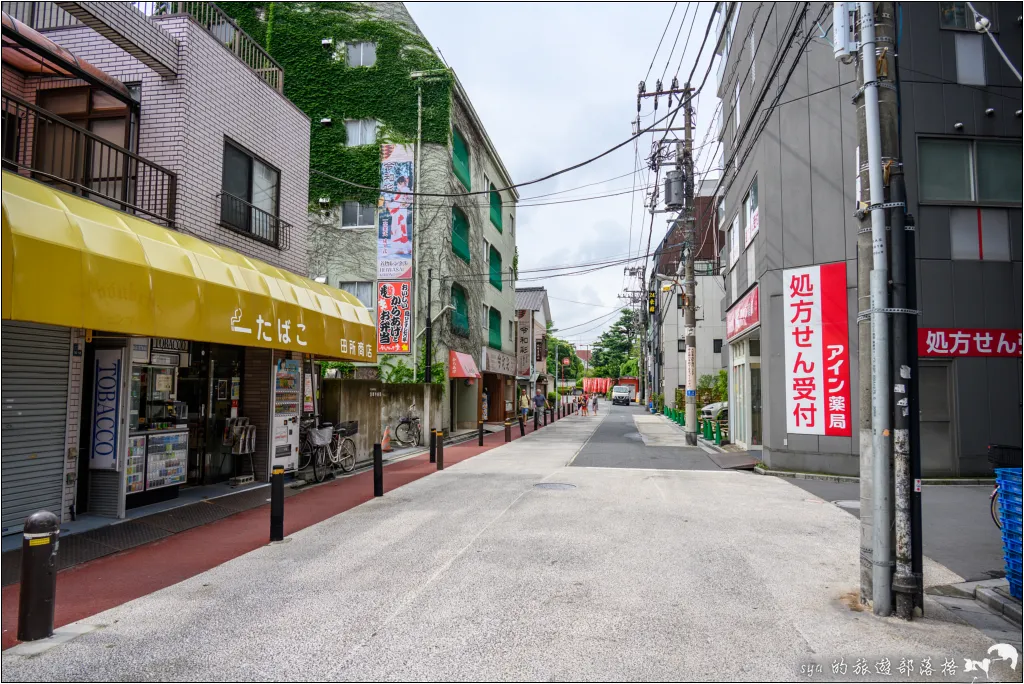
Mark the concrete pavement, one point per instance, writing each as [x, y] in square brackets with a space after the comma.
[477, 573]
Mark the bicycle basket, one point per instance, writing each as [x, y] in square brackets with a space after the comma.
[348, 428]
[321, 436]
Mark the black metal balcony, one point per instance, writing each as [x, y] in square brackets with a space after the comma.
[47, 148]
[244, 217]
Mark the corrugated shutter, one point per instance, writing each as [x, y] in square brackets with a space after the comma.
[34, 385]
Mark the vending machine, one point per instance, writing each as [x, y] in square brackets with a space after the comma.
[287, 408]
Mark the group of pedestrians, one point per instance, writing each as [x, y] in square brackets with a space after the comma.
[584, 403]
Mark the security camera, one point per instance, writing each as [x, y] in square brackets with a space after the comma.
[958, 126]
[990, 112]
[325, 202]
[327, 43]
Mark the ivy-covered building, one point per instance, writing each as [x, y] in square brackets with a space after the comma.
[369, 79]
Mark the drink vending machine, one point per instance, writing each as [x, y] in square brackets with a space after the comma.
[287, 408]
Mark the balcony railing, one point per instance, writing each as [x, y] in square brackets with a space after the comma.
[230, 34]
[40, 15]
[43, 146]
[244, 217]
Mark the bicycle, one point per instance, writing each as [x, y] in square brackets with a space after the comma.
[408, 430]
[328, 449]
[997, 517]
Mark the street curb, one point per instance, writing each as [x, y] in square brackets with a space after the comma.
[849, 479]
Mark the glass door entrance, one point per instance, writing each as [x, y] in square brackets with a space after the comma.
[755, 404]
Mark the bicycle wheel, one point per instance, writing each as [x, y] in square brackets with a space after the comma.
[347, 452]
[319, 463]
[334, 452]
[994, 510]
[403, 433]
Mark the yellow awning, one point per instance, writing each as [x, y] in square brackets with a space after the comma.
[73, 262]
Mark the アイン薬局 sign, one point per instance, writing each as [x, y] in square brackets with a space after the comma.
[743, 315]
[817, 350]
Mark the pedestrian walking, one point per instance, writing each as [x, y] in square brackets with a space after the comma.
[584, 405]
[540, 402]
[524, 404]
[595, 404]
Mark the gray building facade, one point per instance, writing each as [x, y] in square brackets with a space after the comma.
[796, 183]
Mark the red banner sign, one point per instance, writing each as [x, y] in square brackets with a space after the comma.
[744, 315]
[953, 342]
[817, 350]
[394, 318]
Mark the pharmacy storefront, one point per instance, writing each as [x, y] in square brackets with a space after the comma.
[743, 332]
[195, 361]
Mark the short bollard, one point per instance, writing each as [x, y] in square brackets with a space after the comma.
[277, 504]
[440, 449]
[536, 420]
[433, 446]
[545, 417]
[38, 576]
[522, 425]
[378, 470]
[508, 430]
[480, 433]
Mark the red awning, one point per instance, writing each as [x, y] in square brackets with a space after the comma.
[461, 365]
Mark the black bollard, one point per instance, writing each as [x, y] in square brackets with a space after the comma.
[536, 419]
[440, 449]
[378, 470]
[545, 417]
[480, 433]
[433, 446]
[508, 430]
[522, 425]
[277, 504]
[38, 576]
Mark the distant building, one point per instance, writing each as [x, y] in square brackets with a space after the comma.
[533, 314]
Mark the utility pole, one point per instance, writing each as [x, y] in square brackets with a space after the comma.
[878, 147]
[689, 282]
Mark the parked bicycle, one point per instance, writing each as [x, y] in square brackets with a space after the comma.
[327, 448]
[1001, 456]
[408, 431]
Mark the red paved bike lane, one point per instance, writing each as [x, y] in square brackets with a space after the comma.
[104, 583]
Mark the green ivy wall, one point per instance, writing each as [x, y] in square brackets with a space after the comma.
[324, 87]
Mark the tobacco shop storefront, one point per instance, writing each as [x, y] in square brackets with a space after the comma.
[197, 362]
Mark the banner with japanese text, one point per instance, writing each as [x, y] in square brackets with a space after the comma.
[817, 350]
[394, 217]
[394, 317]
[953, 342]
[523, 319]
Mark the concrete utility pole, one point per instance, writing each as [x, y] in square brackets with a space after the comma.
[689, 281]
[877, 126]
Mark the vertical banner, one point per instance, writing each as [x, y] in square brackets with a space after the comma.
[394, 317]
[817, 350]
[106, 410]
[394, 218]
[523, 318]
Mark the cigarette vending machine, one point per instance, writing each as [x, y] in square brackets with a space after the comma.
[287, 408]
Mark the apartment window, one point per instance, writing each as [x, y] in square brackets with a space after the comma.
[957, 15]
[486, 320]
[355, 214]
[460, 234]
[716, 346]
[979, 234]
[512, 224]
[494, 329]
[495, 207]
[487, 252]
[970, 58]
[511, 331]
[363, 291]
[460, 158]
[735, 291]
[753, 56]
[985, 171]
[751, 214]
[361, 54]
[679, 300]
[460, 310]
[360, 132]
[736, 111]
[495, 267]
[250, 191]
[751, 265]
[681, 346]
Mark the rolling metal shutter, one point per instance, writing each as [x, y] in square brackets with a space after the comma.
[34, 386]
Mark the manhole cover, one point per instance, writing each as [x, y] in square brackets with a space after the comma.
[554, 485]
[847, 504]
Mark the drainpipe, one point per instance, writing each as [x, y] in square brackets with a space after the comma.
[881, 585]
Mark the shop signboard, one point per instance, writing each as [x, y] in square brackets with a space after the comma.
[498, 362]
[106, 410]
[394, 317]
[743, 315]
[140, 350]
[394, 217]
[959, 342]
[817, 350]
[523, 318]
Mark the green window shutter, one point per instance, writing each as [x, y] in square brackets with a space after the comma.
[495, 208]
[460, 158]
[495, 268]
[494, 336]
[460, 234]
[460, 314]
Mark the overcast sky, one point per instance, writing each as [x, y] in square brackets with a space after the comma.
[556, 84]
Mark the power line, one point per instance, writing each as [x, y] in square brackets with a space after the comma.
[676, 41]
[573, 301]
[658, 49]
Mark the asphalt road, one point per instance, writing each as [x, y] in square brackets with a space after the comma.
[958, 529]
[618, 443]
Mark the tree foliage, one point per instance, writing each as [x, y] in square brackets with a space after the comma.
[559, 349]
[617, 346]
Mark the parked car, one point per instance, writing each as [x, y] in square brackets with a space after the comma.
[622, 394]
[717, 411]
